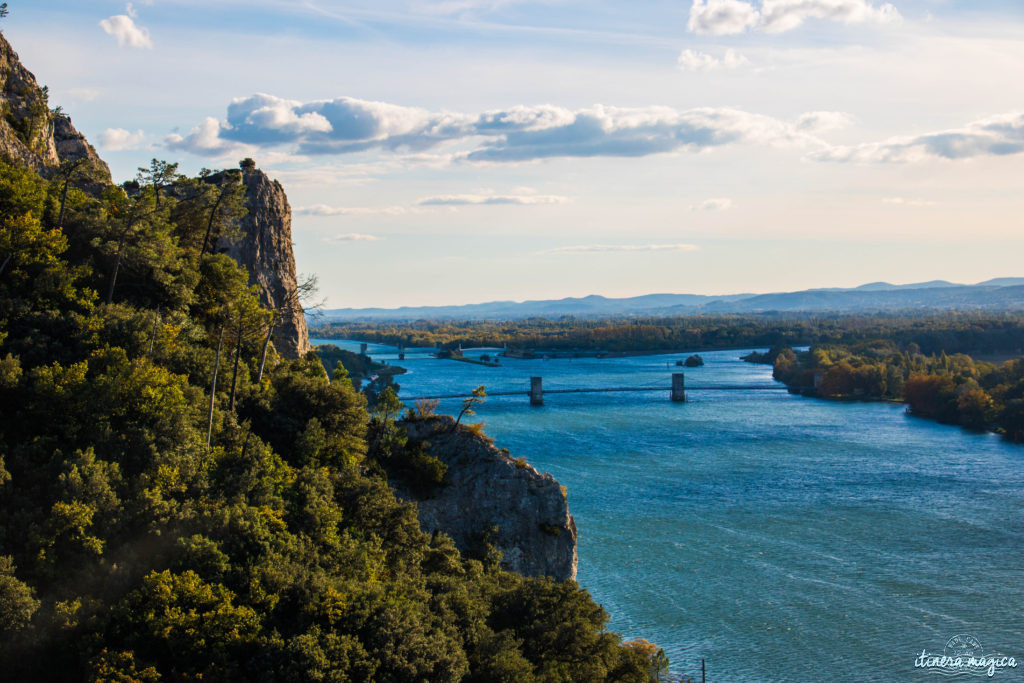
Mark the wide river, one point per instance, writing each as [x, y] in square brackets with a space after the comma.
[777, 537]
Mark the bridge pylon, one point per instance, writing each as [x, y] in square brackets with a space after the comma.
[678, 387]
[536, 391]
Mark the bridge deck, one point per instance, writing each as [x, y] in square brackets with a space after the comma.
[721, 387]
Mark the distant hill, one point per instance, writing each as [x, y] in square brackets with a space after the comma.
[884, 286]
[1003, 282]
[1005, 293]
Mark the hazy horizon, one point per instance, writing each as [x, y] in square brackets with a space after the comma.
[520, 300]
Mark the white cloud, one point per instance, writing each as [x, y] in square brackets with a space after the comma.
[205, 140]
[325, 210]
[820, 121]
[721, 17]
[1000, 135]
[602, 248]
[275, 115]
[118, 139]
[347, 125]
[356, 237]
[491, 198]
[782, 15]
[620, 132]
[127, 32]
[713, 204]
[691, 60]
[730, 17]
[903, 201]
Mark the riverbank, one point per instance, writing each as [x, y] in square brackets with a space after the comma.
[954, 390]
[551, 354]
[735, 527]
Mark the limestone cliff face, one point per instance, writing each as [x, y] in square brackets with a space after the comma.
[485, 487]
[264, 248]
[32, 135]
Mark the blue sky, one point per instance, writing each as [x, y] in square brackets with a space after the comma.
[457, 151]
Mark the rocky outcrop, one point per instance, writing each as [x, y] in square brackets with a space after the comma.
[264, 248]
[486, 488]
[33, 135]
[93, 174]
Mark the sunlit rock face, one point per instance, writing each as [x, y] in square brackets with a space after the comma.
[485, 488]
[32, 135]
[264, 248]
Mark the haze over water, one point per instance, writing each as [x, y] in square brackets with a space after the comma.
[777, 537]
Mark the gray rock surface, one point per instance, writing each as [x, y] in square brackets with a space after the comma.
[264, 248]
[32, 135]
[487, 487]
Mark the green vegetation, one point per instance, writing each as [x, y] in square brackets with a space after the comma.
[975, 333]
[470, 402]
[406, 462]
[358, 368]
[176, 505]
[953, 389]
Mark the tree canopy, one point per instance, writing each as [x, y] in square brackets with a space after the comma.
[158, 525]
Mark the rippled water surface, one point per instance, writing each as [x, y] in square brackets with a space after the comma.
[779, 538]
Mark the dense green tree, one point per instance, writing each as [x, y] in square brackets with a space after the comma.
[954, 389]
[157, 175]
[17, 604]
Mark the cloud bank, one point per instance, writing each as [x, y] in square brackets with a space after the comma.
[994, 136]
[729, 17]
[527, 133]
[348, 125]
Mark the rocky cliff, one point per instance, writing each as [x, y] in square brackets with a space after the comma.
[44, 139]
[264, 248]
[487, 488]
[33, 135]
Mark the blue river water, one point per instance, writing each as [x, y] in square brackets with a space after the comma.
[777, 537]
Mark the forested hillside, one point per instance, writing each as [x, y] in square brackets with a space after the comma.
[952, 332]
[180, 502]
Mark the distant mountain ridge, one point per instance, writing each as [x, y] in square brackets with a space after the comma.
[1005, 293]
